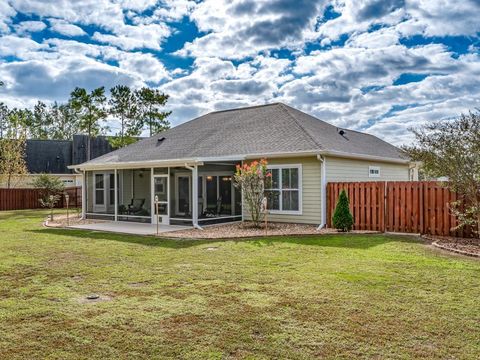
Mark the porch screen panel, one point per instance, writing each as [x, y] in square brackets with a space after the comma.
[134, 193]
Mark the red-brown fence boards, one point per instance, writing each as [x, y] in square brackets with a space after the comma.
[21, 199]
[366, 203]
[398, 206]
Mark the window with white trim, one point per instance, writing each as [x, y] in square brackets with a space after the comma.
[284, 193]
[374, 171]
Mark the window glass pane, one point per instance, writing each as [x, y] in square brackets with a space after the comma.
[290, 178]
[200, 187]
[294, 178]
[99, 197]
[212, 195]
[225, 188]
[160, 185]
[290, 200]
[273, 199]
[99, 181]
[183, 193]
[275, 179]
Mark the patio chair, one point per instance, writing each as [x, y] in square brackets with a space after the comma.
[214, 212]
[136, 206]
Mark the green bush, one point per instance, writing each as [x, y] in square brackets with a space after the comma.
[342, 217]
[51, 189]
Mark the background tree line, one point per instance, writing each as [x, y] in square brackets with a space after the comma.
[128, 111]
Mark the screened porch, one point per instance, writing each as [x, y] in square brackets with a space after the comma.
[177, 195]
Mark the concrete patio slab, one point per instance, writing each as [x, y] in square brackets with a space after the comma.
[125, 227]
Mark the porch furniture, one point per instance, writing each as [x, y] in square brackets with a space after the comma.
[135, 206]
[214, 212]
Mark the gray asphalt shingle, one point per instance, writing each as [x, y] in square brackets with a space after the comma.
[264, 129]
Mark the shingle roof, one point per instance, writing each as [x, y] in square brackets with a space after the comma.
[265, 129]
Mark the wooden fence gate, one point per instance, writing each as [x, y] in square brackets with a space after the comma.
[398, 206]
[22, 199]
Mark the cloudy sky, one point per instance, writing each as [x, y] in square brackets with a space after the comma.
[379, 66]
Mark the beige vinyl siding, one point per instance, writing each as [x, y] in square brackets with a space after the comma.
[311, 191]
[341, 169]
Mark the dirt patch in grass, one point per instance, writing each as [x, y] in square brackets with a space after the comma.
[464, 246]
[248, 230]
[93, 298]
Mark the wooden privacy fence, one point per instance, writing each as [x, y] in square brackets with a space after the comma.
[398, 206]
[21, 199]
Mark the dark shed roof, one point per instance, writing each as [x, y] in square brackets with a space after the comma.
[53, 156]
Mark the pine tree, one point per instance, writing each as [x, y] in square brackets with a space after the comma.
[342, 217]
[123, 106]
[90, 110]
[150, 102]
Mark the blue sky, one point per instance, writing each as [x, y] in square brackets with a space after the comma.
[380, 66]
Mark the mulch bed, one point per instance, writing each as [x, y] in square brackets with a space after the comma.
[61, 221]
[464, 246]
[247, 230]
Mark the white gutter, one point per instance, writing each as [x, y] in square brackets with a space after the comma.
[364, 157]
[323, 191]
[135, 164]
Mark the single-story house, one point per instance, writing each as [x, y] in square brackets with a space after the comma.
[189, 169]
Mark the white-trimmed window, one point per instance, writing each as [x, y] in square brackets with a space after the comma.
[285, 193]
[374, 171]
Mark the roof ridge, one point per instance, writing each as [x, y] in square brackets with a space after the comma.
[285, 108]
[244, 108]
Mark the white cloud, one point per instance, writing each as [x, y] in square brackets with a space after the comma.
[103, 13]
[130, 37]
[6, 12]
[64, 28]
[109, 16]
[350, 85]
[408, 17]
[146, 66]
[442, 17]
[26, 27]
[244, 28]
[20, 47]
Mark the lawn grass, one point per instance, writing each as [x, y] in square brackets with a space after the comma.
[338, 296]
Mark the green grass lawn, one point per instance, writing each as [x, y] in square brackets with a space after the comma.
[345, 296]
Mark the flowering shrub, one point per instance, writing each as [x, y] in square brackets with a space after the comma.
[253, 178]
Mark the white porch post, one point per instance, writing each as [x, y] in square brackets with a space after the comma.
[153, 217]
[115, 181]
[84, 195]
[195, 195]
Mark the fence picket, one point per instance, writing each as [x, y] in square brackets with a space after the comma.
[22, 199]
[412, 207]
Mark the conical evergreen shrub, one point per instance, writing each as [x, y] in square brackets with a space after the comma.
[342, 217]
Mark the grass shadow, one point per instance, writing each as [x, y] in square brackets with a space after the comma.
[353, 241]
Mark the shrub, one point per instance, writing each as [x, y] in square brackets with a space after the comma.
[51, 189]
[252, 179]
[342, 217]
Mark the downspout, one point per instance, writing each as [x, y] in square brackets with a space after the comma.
[84, 193]
[194, 170]
[323, 191]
